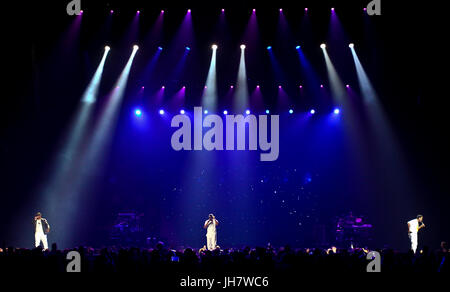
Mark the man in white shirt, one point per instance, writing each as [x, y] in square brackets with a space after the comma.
[41, 228]
[211, 234]
[414, 226]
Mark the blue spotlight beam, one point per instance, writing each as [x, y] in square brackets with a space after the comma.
[210, 97]
[71, 200]
[368, 93]
[388, 149]
[337, 87]
[109, 115]
[151, 66]
[61, 168]
[279, 75]
[90, 93]
[340, 96]
[310, 76]
[77, 130]
[241, 95]
[180, 65]
[353, 127]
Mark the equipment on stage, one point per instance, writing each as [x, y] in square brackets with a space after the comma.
[127, 229]
[353, 231]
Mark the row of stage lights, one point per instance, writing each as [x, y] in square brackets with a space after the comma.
[138, 112]
[257, 86]
[306, 9]
[215, 47]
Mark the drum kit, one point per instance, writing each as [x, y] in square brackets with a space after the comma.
[353, 231]
[127, 228]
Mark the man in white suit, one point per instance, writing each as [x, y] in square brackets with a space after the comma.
[211, 232]
[41, 229]
[414, 226]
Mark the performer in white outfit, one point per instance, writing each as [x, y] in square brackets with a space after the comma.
[211, 232]
[41, 228]
[414, 226]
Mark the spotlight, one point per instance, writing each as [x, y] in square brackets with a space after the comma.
[323, 46]
[162, 11]
[269, 48]
[312, 111]
[306, 8]
[247, 112]
[242, 47]
[300, 86]
[281, 10]
[205, 112]
[223, 10]
[181, 111]
[138, 112]
[351, 45]
[297, 47]
[136, 47]
[332, 9]
[225, 112]
[321, 85]
[161, 111]
[184, 87]
[214, 47]
[81, 11]
[231, 86]
[188, 48]
[291, 111]
[189, 10]
[257, 86]
[138, 12]
[254, 10]
[107, 48]
[365, 9]
[162, 87]
[336, 111]
[267, 111]
[160, 48]
[143, 87]
[206, 87]
[348, 86]
[279, 86]
[112, 11]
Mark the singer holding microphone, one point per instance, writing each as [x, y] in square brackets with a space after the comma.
[41, 229]
[211, 232]
[414, 226]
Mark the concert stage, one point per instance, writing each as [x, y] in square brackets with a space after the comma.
[312, 132]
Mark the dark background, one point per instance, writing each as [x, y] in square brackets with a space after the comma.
[403, 52]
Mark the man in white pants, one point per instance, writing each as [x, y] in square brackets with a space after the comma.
[211, 233]
[41, 228]
[414, 226]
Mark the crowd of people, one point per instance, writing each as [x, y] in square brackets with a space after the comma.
[258, 259]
